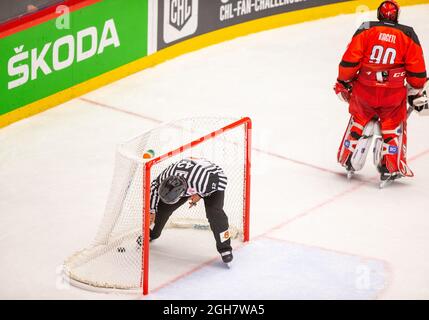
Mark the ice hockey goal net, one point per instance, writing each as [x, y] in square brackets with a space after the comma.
[115, 260]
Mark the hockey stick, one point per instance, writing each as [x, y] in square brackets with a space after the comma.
[410, 111]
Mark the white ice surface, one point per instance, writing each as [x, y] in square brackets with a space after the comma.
[56, 167]
[293, 272]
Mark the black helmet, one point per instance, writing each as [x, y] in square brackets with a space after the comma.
[172, 189]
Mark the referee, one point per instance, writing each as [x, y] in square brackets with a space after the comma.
[192, 179]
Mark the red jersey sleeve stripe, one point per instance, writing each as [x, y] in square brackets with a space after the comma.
[417, 74]
[347, 64]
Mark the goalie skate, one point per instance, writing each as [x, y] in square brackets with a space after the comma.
[387, 181]
[387, 178]
[350, 171]
[350, 174]
[355, 145]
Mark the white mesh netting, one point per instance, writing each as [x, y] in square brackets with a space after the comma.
[114, 260]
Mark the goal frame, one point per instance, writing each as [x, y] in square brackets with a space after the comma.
[246, 122]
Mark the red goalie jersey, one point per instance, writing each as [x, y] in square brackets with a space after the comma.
[380, 46]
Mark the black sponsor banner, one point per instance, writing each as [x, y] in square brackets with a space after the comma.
[179, 20]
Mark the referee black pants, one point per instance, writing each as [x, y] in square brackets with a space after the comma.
[215, 214]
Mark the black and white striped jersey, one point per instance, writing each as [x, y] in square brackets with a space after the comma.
[202, 176]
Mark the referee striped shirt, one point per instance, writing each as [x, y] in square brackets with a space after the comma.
[202, 176]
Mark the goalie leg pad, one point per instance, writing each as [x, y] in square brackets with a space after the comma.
[360, 154]
[378, 149]
[394, 150]
[356, 143]
[348, 144]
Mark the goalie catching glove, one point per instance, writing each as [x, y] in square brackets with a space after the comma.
[343, 89]
[418, 98]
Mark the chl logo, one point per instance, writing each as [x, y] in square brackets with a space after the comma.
[180, 13]
[180, 19]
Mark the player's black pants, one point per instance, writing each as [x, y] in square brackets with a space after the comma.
[217, 218]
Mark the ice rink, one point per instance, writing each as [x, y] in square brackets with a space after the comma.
[314, 235]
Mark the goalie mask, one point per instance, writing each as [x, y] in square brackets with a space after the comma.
[388, 11]
[172, 189]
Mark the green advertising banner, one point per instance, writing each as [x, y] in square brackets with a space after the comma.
[70, 49]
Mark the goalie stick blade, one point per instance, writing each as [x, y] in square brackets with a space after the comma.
[410, 111]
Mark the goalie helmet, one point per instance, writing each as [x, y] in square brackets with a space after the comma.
[388, 11]
[172, 189]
